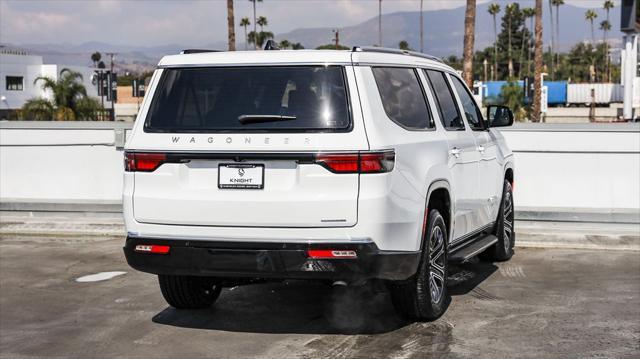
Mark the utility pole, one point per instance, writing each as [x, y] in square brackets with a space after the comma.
[469, 30]
[380, 23]
[110, 85]
[484, 64]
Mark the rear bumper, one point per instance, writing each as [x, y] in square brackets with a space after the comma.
[270, 260]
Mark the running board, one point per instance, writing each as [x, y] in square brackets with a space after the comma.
[464, 254]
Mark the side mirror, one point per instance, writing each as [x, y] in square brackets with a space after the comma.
[499, 116]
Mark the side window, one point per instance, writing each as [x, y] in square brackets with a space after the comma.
[471, 110]
[402, 97]
[447, 107]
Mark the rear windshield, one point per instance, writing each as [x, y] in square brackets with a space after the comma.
[250, 99]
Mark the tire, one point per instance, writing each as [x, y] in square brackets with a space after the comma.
[185, 292]
[424, 296]
[503, 249]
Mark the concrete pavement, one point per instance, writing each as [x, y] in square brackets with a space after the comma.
[548, 303]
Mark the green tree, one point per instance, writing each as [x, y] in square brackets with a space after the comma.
[591, 15]
[297, 46]
[69, 102]
[284, 44]
[494, 9]
[95, 58]
[512, 95]
[608, 5]
[404, 45]
[529, 13]
[262, 22]
[511, 39]
[255, 21]
[260, 38]
[332, 47]
[244, 22]
[557, 4]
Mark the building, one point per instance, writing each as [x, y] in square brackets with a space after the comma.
[18, 74]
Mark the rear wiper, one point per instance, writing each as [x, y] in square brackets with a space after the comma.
[244, 119]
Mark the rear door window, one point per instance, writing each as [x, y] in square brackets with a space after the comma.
[449, 114]
[250, 99]
[402, 97]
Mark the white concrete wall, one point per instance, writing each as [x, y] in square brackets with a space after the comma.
[562, 167]
[576, 167]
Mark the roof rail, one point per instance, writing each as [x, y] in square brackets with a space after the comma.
[197, 51]
[387, 50]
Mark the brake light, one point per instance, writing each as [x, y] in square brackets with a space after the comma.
[331, 253]
[152, 248]
[143, 162]
[367, 162]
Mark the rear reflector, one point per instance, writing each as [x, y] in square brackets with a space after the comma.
[367, 162]
[331, 253]
[143, 162]
[152, 248]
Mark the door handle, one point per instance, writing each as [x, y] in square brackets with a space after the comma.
[455, 152]
[481, 149]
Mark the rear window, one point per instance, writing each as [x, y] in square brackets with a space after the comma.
[402, 97]
[250, 99]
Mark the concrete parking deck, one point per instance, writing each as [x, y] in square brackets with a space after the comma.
[543, 303]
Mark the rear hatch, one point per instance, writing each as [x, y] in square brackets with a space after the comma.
[248, 146]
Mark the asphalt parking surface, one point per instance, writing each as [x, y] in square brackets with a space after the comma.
[543, 303]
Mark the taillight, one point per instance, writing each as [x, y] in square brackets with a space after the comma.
[143, 162]
[366, 162]
[152, 248]
[331, 254]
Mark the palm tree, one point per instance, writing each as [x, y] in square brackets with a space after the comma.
[259, 38]
[528, 13]
[284, 44]
[380, 23]
[537, 82]
[608, 5]
[254, 19]
[469, 30]
[494, 9]
[95, 57]
[557, 4]
[591, 15]
[553, 40]
[509, 11]
[231, 24]
[605, 26]
[69, 101]
[244, 22]
[421, 28]
[262, 22]
[297, 46]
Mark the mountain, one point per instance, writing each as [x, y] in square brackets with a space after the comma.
[444, 31]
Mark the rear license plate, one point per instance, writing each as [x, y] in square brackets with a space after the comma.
[241, 176]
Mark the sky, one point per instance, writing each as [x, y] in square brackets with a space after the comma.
[161, 22]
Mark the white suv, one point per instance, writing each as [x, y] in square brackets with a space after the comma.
[370, 164]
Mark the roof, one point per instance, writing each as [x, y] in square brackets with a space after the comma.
[289, 57]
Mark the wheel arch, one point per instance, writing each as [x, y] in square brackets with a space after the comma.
[439, 197]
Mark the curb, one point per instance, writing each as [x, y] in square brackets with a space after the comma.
[603, 236]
